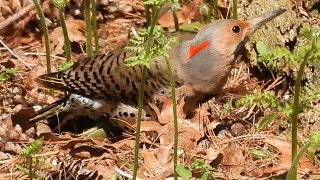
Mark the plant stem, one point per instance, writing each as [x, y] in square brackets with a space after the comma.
[234, 9]
[215, 9]
[29, 157]
[141, 96]
[88, 28]
[46, 38]
[295, 109]
[67, 44]
[175, 18]
[148, 15]
[137, 140]
[175, 119]
[292, 173]
[94, 24]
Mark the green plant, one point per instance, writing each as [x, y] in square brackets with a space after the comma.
[308, 52]
[200, 166]
[87, 17]
[94, 24]
[234, 9]
[60, 4]
[148, 44]
[31, 162]
[46, 37]
[183, 172]
[259, 154]
[265, 99]
[215, 9]
[6, 74]
[205, 10]
[312, 147]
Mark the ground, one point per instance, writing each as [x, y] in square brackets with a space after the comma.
[226, 139]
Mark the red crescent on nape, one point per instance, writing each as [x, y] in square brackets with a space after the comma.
[193, 50]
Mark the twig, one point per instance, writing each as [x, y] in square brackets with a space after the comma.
[44, 54]
[124, 173]
[16, 16]
[11, 52]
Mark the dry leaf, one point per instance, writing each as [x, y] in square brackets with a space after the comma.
[75, 30]
[284, 147]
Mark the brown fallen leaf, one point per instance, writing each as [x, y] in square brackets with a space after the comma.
[32, 75]
[284, 147]
[151, 163]
[233, 159]
[188, 11]
[75, 32]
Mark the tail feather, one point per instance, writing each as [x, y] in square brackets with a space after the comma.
[50, 110]
[53, 80]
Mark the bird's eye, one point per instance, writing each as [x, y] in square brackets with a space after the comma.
[236, 29]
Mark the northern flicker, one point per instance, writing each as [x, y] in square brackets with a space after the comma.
[201, 67]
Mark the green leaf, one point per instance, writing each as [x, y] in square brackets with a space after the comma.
[261, 47]
[199, 164]
[314, 144]
[205, 175]
[192, 27]
[259, 154]
[113, 177]
[61, 4]
[97, 134]
[33, 148]
[267, 120]
[292, 171]
[183, 172]
[65, 66]
[5, 75]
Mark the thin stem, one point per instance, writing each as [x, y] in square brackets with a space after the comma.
[175, 18]
[88, 28]
[140, 106]
[175, 119]
[94, 24]
[141, 97]
[234, 9]
[295, 108]
[215, 9]
[30, 166]
[46, 37]
[67, 44]
[148, 15]
[292, 173]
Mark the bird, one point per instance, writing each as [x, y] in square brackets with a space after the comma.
[104, 84]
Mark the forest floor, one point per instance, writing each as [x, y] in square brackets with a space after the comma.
[223, 139]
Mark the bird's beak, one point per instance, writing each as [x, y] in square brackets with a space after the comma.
[255, 24]
[258, 22]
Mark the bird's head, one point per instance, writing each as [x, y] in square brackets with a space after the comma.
[207, 60]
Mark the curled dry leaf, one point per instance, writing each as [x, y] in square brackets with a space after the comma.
[151, 162]
[284, 147]
[233, 159]
[75, 30]
[32, 75]
[188, 11]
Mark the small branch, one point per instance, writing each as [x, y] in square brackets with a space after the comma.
[11, 52]
[94, 24]
[124, 173]
[44, 54]
[17, 16]
[88, 28]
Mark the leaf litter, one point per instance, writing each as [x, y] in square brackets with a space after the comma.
[217, 132]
